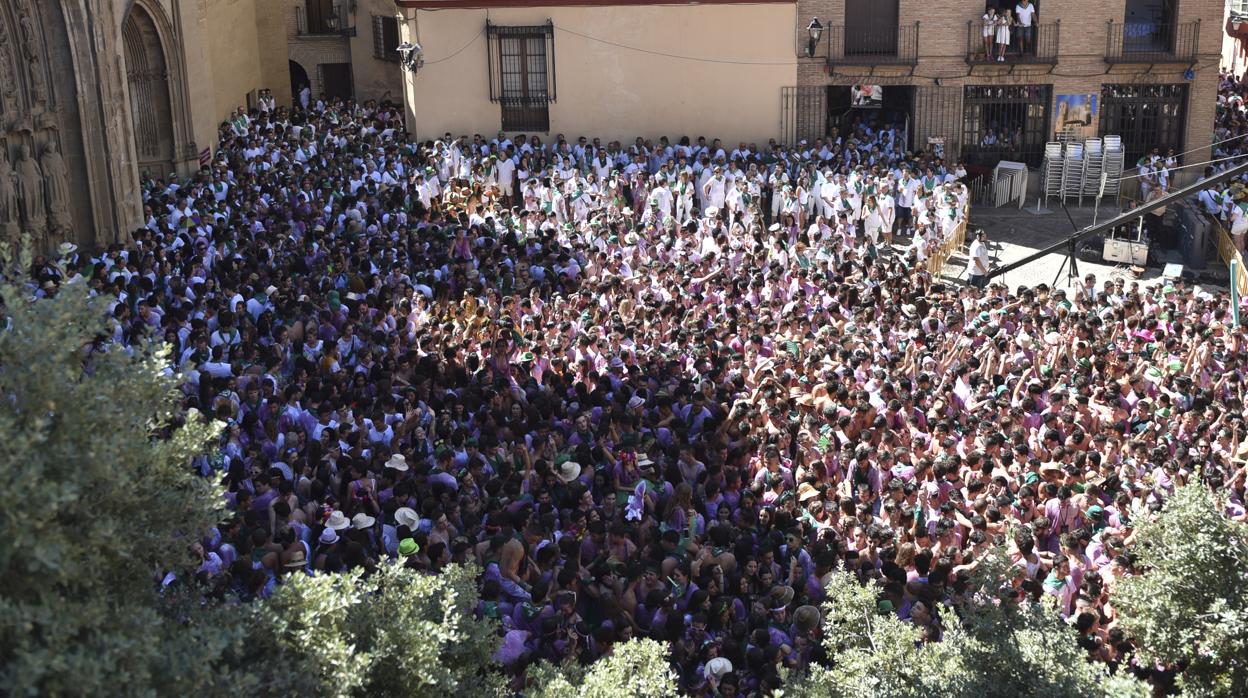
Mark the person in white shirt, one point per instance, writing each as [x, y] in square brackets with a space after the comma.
[977, 267]
[888, 211]
[990, 31]
[506, 178]
[1025, 19]
[1211, 201]
[715, 189]
[1004, 22]
[907, 189]
[1239, 222]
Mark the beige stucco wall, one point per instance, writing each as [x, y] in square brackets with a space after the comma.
[234, 51]
[374, 79]
[232, 48]
[271, 20]
[613, 92]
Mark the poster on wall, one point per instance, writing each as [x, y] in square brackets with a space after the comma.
[936, 146]
[1075, 114]
[866, 96]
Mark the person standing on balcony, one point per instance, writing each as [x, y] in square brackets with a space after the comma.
[990, 31]
[1004, 22]
[1025, 14]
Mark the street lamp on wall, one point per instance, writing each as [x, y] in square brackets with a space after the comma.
[815, 30]
[410, 56]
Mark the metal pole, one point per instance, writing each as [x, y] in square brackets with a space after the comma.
[1235, 291]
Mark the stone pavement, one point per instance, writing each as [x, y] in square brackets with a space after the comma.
[1014, 234]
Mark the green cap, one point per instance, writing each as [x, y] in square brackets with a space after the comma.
[408, 547]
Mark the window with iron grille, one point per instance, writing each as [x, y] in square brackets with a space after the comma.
[1145, 116]
[1005, 122]
[385, 38]
[522, 75]
[1239, 10]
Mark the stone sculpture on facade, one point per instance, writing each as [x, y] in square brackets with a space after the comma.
[30, 192]
[32, 49]
[10, 213]
[56, 183]
[8, 81]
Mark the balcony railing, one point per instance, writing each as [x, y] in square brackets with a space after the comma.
[1040, 47]
[336, 22]
[873, 46]
[1152, 42]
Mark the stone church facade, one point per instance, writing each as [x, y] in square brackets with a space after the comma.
[95, 93]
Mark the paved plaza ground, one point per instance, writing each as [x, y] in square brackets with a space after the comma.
[1013, 234]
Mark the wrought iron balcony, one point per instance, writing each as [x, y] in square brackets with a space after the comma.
[873, 46]
[1152, 42]
[1041, 47]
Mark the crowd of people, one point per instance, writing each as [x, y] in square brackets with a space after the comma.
[1229, 203]
[657, 389]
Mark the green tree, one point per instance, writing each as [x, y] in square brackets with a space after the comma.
[1189, 607]
[97, 499]
[996, 649]
[100, 500]
[639, 668]
[423, 636]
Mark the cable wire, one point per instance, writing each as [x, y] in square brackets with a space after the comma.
[1195, 164]
[471, 41]
[673, 55]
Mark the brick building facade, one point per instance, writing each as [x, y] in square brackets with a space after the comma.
[1150, 69]
[343, 48]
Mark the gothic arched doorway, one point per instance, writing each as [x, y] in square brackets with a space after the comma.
[147, 74]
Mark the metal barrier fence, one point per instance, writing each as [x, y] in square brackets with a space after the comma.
[948, 246]
[1227, 252]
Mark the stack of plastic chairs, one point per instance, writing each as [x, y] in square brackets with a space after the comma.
[1052, 170]
[1072, 172]
[1093, 165]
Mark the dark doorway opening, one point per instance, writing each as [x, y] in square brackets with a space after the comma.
[298, 80]
[897, 111]
[148, 76]
[336, 80]
[1149, 26]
